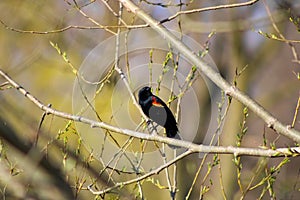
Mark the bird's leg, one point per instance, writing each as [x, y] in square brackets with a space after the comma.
[149, 121]
[151, 127]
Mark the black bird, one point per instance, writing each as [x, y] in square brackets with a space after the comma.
[158, 111]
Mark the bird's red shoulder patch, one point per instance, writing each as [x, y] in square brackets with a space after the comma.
[156, 103]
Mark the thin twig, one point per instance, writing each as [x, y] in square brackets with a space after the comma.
[296, 112]
[282, 38]
[226, 6]
[40, 125]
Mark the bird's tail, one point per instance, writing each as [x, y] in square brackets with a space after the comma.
[173, 134]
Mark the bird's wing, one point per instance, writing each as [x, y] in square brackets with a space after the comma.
[156, 101]
[158, 112]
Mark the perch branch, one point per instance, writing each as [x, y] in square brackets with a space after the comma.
[292, 151]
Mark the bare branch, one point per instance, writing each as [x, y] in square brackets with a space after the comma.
[69, 27]
[153, 172]
[293, 151]
[226, 6]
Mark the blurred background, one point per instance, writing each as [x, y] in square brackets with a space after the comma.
[43, 43]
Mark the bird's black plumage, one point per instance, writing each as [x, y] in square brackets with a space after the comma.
[157, 111]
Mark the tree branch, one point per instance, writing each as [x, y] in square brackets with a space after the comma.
[293, 151]
[140, 178]
[226, 6]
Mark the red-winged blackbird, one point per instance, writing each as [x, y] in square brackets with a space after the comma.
[158, 111]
